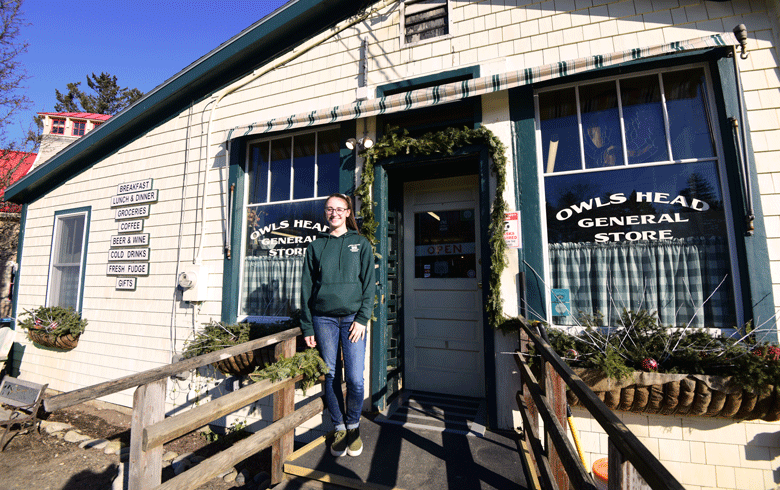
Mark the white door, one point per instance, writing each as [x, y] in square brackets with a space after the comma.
[442, 298]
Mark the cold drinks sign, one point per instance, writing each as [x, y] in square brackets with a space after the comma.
[129, 253]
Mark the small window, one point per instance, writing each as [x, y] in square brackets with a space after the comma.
[95, 124]
[68, 257]
[425, 19]
[79, 127]
[58, 126]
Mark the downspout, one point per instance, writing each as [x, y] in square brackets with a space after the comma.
[284, 59]
[740, 130]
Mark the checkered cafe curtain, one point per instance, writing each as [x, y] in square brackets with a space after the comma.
[452, 92]
[681, 279]
[272, 285]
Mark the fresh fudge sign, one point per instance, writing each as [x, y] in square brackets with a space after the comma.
[639, 204]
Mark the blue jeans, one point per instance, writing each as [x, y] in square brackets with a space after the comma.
[328, 331]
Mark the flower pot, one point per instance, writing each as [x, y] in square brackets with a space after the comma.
[243, 364]
[46, 339]
[681, 394]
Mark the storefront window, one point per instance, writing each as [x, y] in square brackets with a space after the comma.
[635, 212]
[288, 181]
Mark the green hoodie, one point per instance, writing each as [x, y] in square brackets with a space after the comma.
[338, 279]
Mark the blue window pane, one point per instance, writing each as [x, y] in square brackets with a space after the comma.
[280, 169]
[560, 133]
[601, 125]
[258, 173]
[303, 166]
[328, 162]
[688, 121]
[644, 120]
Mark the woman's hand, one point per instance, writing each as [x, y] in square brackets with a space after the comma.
[357, 332]
[310, 341]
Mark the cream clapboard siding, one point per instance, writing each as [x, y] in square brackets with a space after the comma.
[132, 331]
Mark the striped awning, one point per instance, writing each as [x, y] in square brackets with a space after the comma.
[452, 92]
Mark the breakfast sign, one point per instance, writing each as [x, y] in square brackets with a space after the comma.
[128, 256]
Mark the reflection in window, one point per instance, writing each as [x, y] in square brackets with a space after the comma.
[621, 236]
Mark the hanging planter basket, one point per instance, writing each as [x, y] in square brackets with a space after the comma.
[63, 342]
[680, 394]
[243, 364]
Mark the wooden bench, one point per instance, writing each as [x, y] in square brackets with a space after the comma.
[25, 397]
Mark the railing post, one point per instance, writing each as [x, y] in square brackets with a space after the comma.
[284, 404]
[148, 409]
[555, 391]
[533, 415]
[621, 473]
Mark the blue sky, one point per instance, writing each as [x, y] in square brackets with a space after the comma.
[142, 42]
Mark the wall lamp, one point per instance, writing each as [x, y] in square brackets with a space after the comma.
[363, 143]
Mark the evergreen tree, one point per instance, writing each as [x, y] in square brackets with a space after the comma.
[108, 96]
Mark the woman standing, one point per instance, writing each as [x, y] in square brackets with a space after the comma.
[338, 296]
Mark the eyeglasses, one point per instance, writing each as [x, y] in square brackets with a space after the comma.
[338, 211]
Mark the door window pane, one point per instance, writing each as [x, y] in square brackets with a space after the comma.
[445, 244]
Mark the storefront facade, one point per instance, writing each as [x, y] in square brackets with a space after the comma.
[625, 176]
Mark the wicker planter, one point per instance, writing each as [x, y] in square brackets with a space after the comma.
[680, 394]
[64, 342]
[245, 363]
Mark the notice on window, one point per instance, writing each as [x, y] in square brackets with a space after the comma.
[512, 230]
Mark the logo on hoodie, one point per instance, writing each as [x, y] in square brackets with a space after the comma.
[354, 247]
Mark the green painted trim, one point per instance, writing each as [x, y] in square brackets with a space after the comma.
[19, 249]
[63, 212]
[231, 267]
[419, 82]
[378, 386]
[254, 47]
[348, 157]
[528, 199]
[752, 250]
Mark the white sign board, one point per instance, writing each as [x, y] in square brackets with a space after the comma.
[141, 269]
[134, 198]
[125, 283]
[512, 230]
[133, 212]
[137, 240]
[133, 226]
[117, 254]
[137, 186]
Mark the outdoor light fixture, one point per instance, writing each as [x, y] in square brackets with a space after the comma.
[363, 143]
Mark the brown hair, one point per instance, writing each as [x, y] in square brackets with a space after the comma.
[350, 221]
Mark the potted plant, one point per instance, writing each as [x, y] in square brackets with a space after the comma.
[646, 367]
[219, 335]
[53, 326]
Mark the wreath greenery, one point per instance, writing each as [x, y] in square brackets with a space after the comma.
[54, 320]
[446, 142]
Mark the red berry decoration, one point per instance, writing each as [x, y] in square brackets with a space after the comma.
[572, 354]
[650, 364]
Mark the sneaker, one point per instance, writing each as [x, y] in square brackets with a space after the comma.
[354, 444]
[339, 445]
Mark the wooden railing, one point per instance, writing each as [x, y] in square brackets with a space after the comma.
[631, 465]
[150, 429]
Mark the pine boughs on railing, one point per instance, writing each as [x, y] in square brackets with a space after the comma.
[309, 363]
[446, 142]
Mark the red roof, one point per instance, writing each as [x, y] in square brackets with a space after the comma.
[78, 115]
[18, 163]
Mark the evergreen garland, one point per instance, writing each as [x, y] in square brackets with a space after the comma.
[445, 142]
[309, 363]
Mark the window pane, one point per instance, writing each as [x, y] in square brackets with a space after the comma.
[66, 261]
[328, 162]
[303, 166]
[276, 239]
[280, 169]
[258, 173]
[65, 286]
[652, 238]
[601, 125]
[444, 244]
[560, 132]
[688, 121]
[643, 119]
[68, 248]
